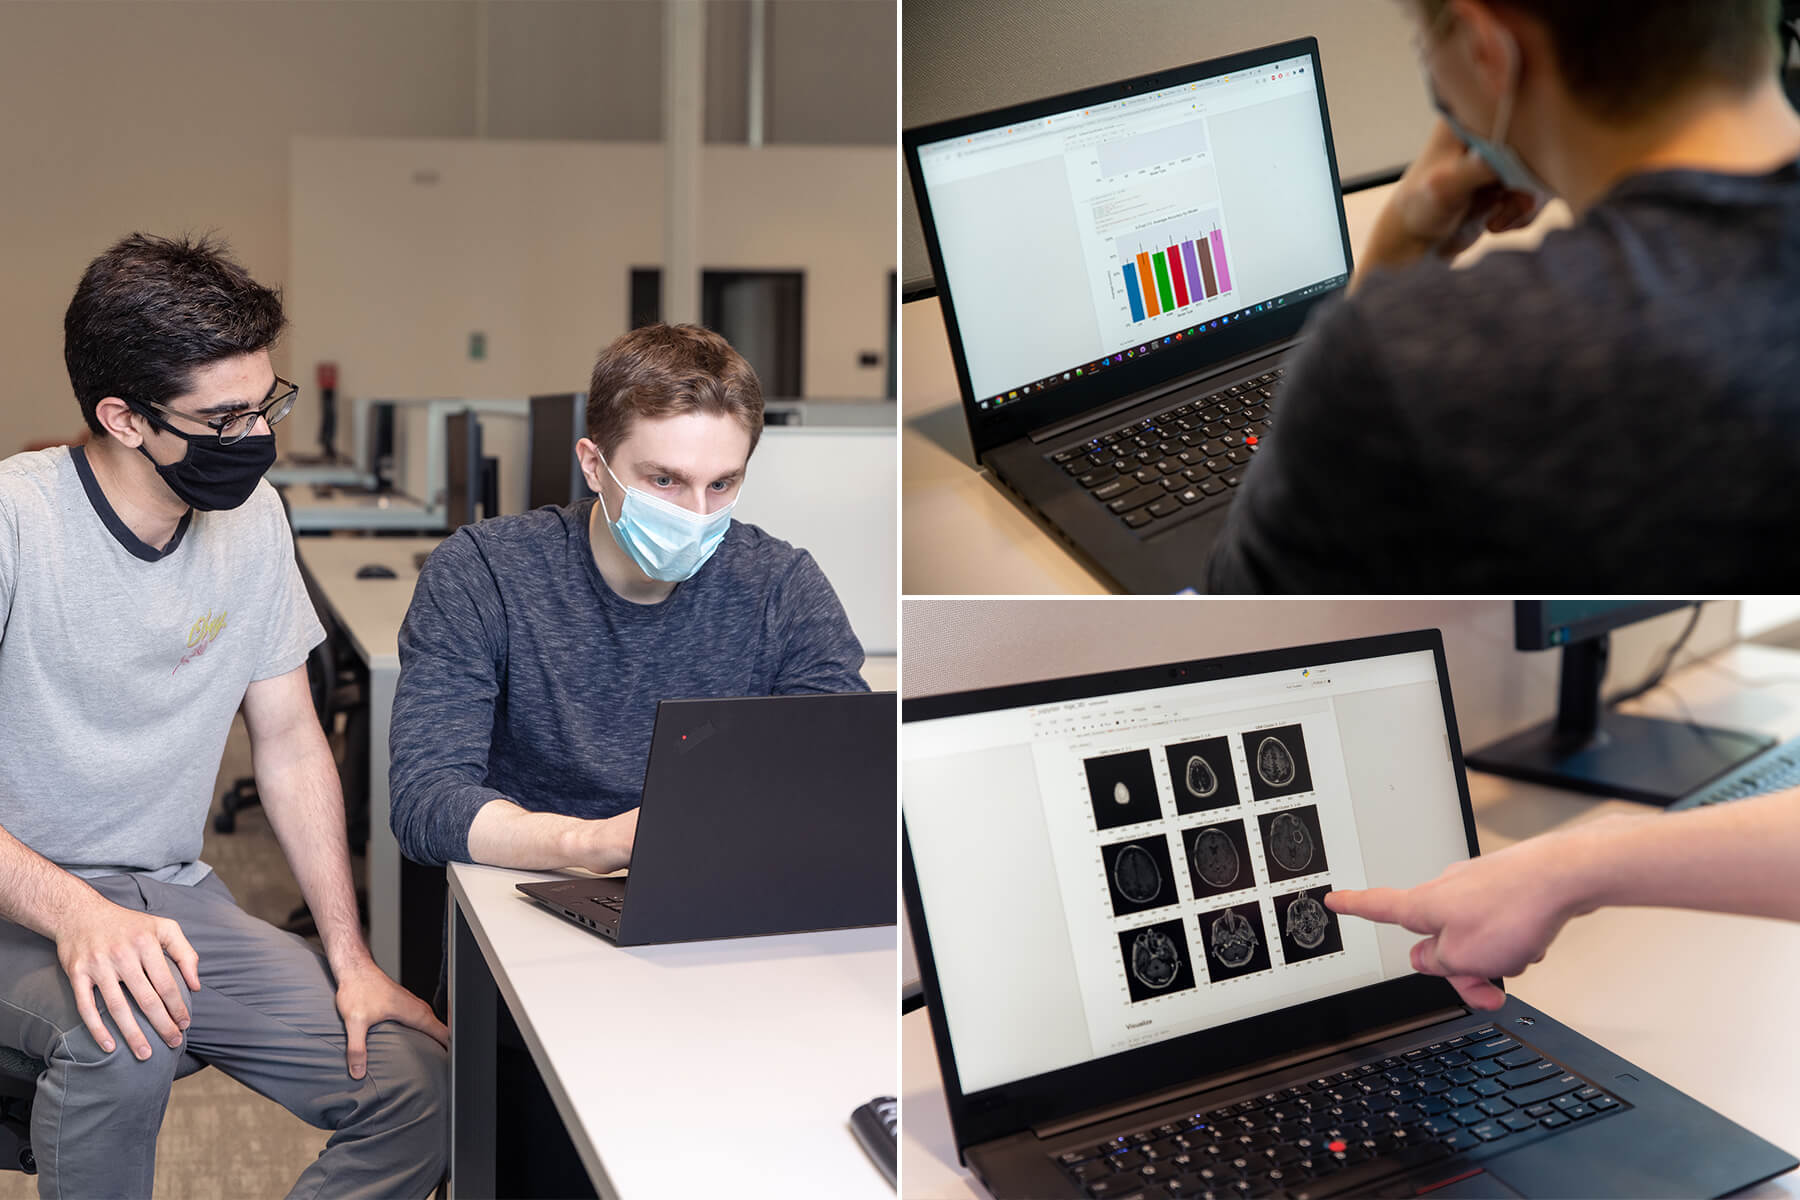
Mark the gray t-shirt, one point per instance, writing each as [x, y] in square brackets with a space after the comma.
[121, 666]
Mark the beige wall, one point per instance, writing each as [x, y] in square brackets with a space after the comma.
[402, 248]
[174, 115]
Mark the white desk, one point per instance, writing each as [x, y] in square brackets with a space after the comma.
[370, 612]
[1723, 1035]
[338, 474]
[723, 1068]
[361, 512]
[962, 534]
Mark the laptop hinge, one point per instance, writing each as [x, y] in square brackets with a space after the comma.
[1195, 1087]
[1062, 428]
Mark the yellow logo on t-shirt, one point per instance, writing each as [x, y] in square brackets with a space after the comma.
[201, 634]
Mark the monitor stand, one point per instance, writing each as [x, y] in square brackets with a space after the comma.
[1590, 749]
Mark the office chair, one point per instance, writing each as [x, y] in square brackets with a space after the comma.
[19, 1074]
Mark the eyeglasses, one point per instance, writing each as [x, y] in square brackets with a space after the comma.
[236, 426]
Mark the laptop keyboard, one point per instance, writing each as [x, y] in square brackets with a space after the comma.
[615, 903]
[1346, 1132]
[1154, 472]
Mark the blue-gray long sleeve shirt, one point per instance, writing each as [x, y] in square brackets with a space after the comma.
[524, 676]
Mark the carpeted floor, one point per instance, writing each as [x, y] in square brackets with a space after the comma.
[220, 1140]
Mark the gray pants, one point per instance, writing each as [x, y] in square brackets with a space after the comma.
[265, 1015]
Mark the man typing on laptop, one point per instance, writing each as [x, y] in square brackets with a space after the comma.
[537, 646]
[1439, 425]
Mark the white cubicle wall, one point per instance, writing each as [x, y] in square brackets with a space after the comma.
[834, 493]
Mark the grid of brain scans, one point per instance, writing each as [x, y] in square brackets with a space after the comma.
[1193, 858]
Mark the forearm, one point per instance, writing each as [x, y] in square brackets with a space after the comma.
[506, 835]
[300, 792]
[36, 893]
[1733, 858]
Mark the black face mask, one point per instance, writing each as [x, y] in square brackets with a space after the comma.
[212, 476]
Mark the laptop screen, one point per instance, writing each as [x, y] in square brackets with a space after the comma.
[1107, 872]
[1085, 239]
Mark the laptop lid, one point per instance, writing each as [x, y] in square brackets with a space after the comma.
[1114, 880]
[768, 814]
[1093, 245]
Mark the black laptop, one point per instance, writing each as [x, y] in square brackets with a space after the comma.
[1122, 271]
[1116, 885]
[771, 814]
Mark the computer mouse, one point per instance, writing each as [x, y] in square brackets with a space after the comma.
[375, 571]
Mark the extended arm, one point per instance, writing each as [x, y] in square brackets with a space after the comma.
[298, 782]
[1495, 915]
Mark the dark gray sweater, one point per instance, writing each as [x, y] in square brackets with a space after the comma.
[524, 676]
[1617, 412]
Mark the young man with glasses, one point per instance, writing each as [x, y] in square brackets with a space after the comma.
[148, 588]
[1612, 412]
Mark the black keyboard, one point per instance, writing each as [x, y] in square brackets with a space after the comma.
[616, 903]
[1346, 1132]
[1156, 471]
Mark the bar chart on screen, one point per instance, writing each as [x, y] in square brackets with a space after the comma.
[1173, 265]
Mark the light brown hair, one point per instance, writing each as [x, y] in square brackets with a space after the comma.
[1622, 59]
[667, 370]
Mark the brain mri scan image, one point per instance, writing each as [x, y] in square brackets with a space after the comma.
[1235, 941]
[1201, 782]
[1139, 874]
[1274, 763]
[1292, 846]
[1156, 960]
[1122, 789]
[1277, 761]
[1136, 876]
[1306, 922]
[1216, 859]
[1308, 929]
[1290, 843]
[1201, 774]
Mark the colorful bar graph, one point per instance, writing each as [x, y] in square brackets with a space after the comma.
[1132, 293]
[1162, 280]
[1218, 246]
[1206, 270]
[1181, 288]
[1192, 261]
[1149, 285]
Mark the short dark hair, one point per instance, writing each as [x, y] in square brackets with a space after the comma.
[151, 311]
[666, 370]
[1623, 58]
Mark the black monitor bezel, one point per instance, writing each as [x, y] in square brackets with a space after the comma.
[1001, 1111]
[1531, 622]
[995, 427]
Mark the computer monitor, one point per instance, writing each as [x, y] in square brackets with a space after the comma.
[462, 470]
[553, 475]
[378, 444]
[1589, 748]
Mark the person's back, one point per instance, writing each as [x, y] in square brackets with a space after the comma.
[1617, 410]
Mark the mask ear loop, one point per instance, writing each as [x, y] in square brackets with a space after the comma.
[597, 493]
[1503, 116]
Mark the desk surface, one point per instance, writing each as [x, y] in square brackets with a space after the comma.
[1607, 974]
[960, 533]
[370, 610]
[733, 1062]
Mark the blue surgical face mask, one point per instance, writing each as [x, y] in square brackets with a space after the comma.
[1494, 151]
[665, 540]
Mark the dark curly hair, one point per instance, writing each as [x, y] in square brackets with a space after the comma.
[151, 311]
